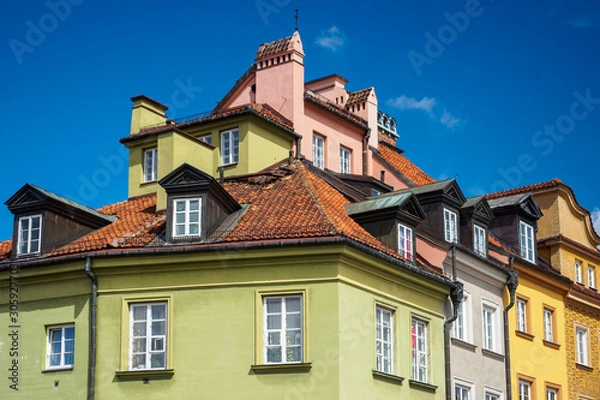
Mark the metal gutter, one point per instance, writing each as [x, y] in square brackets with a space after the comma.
[511, 284]
[92, 340]
[456, 296]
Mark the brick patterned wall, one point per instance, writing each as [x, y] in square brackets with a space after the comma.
[581, 381]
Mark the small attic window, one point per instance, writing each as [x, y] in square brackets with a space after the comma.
[186, 215]
[30, 230]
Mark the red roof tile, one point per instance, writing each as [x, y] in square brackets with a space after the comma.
[5, 249]
[277, 46]
[358, 96]
[525, 189]
[397, 160]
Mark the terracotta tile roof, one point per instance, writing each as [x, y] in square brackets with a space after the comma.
[525, 189]
[358, 96]
[5, 249]
[335, 109]
[397, 160]
[262, 110]
[278, 46]
[136, 225]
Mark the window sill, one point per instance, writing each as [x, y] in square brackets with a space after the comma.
[492, 354]
[464, 344]
[422, 385]
[525, 335]
[61, 369]
[280, 368]
[584, 367]
[146, 373]
[230, 165]
[384, 376]
[551, 344]
[148, 182]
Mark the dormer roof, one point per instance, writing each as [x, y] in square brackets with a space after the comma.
[523, 203]
[447, 191]
[403, 202]
[479, 208]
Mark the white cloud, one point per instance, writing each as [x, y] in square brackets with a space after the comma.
[332, 38]
[410, 103]
[449, 120]
[596, 219]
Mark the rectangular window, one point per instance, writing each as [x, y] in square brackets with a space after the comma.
[524, 390]
[230, 146]
[551, 394]
[548, 325]
[186, 217]
[318, 151]
[344, 160]
[148, 336]
[450, 227]
[479, 241]
[405, 242]
[30, 232]
[461, 392]
[283, 329]
[578, 272]
[150, 164]
[489, 326]
[206, 139]
[419, 350]
[527, 241]
[384, 340]
[461, 327]
[591, 277]
[492, 396]
[60, 349]
[521, 315]
[581, 341]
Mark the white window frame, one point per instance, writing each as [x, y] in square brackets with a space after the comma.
[283, 329]
[206, 138]
[150, 164]
[548, 325]
[522, 315]
[187, 217]
[462, 327]
[551, 393]
[450, 226]
[151, 338]
[479, 240]
[591, 276]
[527, 241]
[462, 392]
[230, 146]
[578, 272]
[405, 242]
[490, 326]
[64, 344]
[420, 350]
[345, 160]
[582, 345]
[384, 339]
[491, 394]
[25, 236]
[524, 390]
[318, 143]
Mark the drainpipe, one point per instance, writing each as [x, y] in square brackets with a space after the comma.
[365, 144]
[456, 296]
[511, 283]
[92, 350]
[298, 143]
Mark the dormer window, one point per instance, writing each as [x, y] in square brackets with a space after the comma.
[186, 217]
[479, 240]
[526, 241]
[450, 227]
[150, 164]
[230, 146]
[30, 229]
[405, 242]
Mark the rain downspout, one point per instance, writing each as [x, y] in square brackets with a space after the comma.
[92, 350]
[456, 296]
[511, 283]
[365, 165]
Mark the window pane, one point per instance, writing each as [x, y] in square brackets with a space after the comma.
[139, 329]
[158, 328]
[273, 305]
[274, 322]
[180, 205]
[294, 321]
[69, 346]
[69, 357]
[274, 354]
[157, 360]
[274, 338]
[55, 360]
[159, 311]
[158, 344]
[138, 361]
[293, 338]
[293, 304]
[294, 354]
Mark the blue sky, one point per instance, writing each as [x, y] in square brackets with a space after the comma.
[497, 93]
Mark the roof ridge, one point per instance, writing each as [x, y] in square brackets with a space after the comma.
[303, 169]
[526, 188]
